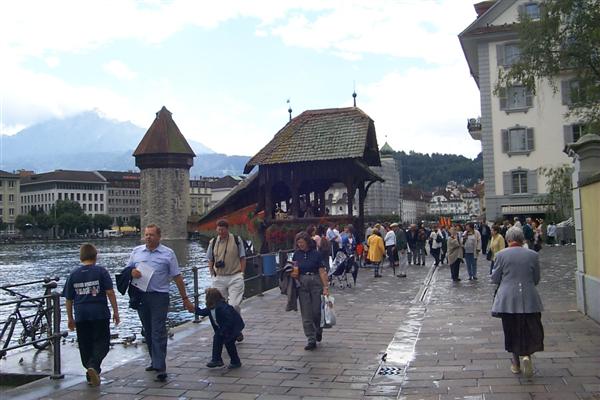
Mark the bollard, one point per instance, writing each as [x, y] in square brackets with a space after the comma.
[56, 336]
[261, 284]
[196, 294]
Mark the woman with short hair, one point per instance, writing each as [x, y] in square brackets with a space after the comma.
[517, 301]
[496, 244]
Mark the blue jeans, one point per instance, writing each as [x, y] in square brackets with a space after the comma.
[471, 264]
[153, 315]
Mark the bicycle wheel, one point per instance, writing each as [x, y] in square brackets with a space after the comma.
[41, 327]
[8, 329]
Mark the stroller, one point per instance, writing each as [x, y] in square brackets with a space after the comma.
[343, 265]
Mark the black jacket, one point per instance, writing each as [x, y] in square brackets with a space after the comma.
[124, 286]
[229, 324]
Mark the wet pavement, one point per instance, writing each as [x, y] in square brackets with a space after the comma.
[394, 339]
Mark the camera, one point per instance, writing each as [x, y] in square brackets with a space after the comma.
[220, 264]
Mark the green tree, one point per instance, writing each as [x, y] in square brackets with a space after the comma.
[3, 225]
[102, 222]
[120, 223]
[559, 195]
[66, 207]
[135, 222]
[24, 222]
[84, 223]
[68, 222]
[44, 221]
[565, 39]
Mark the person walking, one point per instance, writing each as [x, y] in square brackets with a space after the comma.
[444, 251]
[376, 251]
[401, 249]
[310, 272]
[486, 233]
[518, 303]
[227, 262]
[455, 254]
[87, 289]
[227, 325]
[436, 239]
[472, 247]
[411, 239]
[421, 242]
[496, 244]
[528, 233]
[537, 235]
[160, 263]
[390, 248]
[551, 234]
[334, 238]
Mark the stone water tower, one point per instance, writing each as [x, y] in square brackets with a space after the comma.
[165, 158]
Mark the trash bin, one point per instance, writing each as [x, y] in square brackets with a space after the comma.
[269, 265]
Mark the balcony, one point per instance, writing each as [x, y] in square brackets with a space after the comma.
[474, 127]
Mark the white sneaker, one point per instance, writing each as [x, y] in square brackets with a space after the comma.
[94, 377]
[527, 365]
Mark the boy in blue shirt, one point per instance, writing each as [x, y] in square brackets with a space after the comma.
[87, 290]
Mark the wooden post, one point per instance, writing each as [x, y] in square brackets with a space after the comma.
[350, 196]
[361, 209]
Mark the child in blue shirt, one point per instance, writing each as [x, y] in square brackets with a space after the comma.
[87, 290]
[227, 324]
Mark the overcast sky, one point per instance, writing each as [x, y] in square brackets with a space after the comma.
[226, 68]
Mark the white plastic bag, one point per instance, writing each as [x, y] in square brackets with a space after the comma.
[327, 312]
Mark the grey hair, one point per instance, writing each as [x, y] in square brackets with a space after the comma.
[515, 234]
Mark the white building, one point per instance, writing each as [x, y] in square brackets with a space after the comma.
[42, 191]
[519, 132]
[414, 204]
[9, 201]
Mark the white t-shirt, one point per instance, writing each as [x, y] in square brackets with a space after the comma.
[390, 238]
[434, 243]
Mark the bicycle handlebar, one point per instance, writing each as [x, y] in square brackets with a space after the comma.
[45, 280]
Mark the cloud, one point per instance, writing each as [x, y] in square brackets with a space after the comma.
[119, 70]
[423, 109]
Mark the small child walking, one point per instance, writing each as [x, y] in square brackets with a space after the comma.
[227, 324]
[87, 289]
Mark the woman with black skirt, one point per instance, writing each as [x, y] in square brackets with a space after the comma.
[517, 301]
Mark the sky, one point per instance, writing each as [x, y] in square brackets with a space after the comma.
[226, 69]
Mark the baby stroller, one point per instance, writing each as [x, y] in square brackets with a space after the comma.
[343, 265]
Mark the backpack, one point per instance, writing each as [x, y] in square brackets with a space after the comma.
[213, 241]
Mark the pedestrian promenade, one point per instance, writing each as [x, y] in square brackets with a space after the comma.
[436, 338]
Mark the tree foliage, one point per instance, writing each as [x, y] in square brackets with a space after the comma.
[565, 42]
[559, 192]
[102, 222]
[134, 221]
[24, 222]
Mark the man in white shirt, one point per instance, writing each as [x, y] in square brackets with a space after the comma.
[436, 239]
[390, 245]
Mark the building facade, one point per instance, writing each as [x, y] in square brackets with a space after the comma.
[201, 195]
[415, 204]
[383, 198]
[123, 194]
[10, 201]
[42, 191]
[520, 133]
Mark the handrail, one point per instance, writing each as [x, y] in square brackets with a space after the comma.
[54, 334]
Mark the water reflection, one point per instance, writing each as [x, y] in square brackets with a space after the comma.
[28, 262]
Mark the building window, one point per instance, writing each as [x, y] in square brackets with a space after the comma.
[519, 182]
[11, 184]
[507, 54]
[0, 211]
[515, 98]
[95, 207]
[11, 198]
[78, 197]
[517, 140]
[530, 11]
[570, 91]
[102, 207]
[84, 196]
[11, 211]
[95, 196]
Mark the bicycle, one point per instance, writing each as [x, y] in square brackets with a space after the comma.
[41, 322]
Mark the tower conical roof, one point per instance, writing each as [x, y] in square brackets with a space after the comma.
[386, 149]
[163, 137]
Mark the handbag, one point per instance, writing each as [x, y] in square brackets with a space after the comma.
[489, 255]
[495, 314]
[328, 318]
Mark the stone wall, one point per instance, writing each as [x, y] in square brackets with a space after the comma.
[165, 200]
[384, 198]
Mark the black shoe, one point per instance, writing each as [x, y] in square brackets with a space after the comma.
[319, 336]
[401, 276]
[162, 377]
[475, 278]
[150, 368]
[234, 366]
[214, 364]
[240, 338]
[310, 346]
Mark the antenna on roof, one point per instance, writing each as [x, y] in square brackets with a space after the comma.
[289, 108]
[354, 92]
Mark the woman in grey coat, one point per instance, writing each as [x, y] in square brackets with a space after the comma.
[517, 301]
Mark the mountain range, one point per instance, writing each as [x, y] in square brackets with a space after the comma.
[90, 141]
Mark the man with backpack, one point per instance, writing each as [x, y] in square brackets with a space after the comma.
[227, 261]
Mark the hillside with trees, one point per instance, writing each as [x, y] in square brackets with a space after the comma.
[435, 170]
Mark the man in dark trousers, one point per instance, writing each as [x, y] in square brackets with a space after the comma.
[411, 239]
[486, 234]
[158, 262]
[88, 288]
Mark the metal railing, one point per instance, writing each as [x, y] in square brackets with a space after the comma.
[256, 260]
[54, 334]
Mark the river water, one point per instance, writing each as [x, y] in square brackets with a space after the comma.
[29, 262]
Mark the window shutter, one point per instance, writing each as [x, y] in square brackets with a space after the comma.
[502, 97]
[528, 98]
[565, 91]
[500, 54]
[530, 144]
[568, 133]
[532, 182]
[507, 183]
[505, 140]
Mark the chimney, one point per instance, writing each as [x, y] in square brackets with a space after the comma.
[482, 7]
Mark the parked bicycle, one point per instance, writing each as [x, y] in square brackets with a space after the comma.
[34, 326]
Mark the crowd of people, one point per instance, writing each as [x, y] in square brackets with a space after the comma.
[152, 266]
